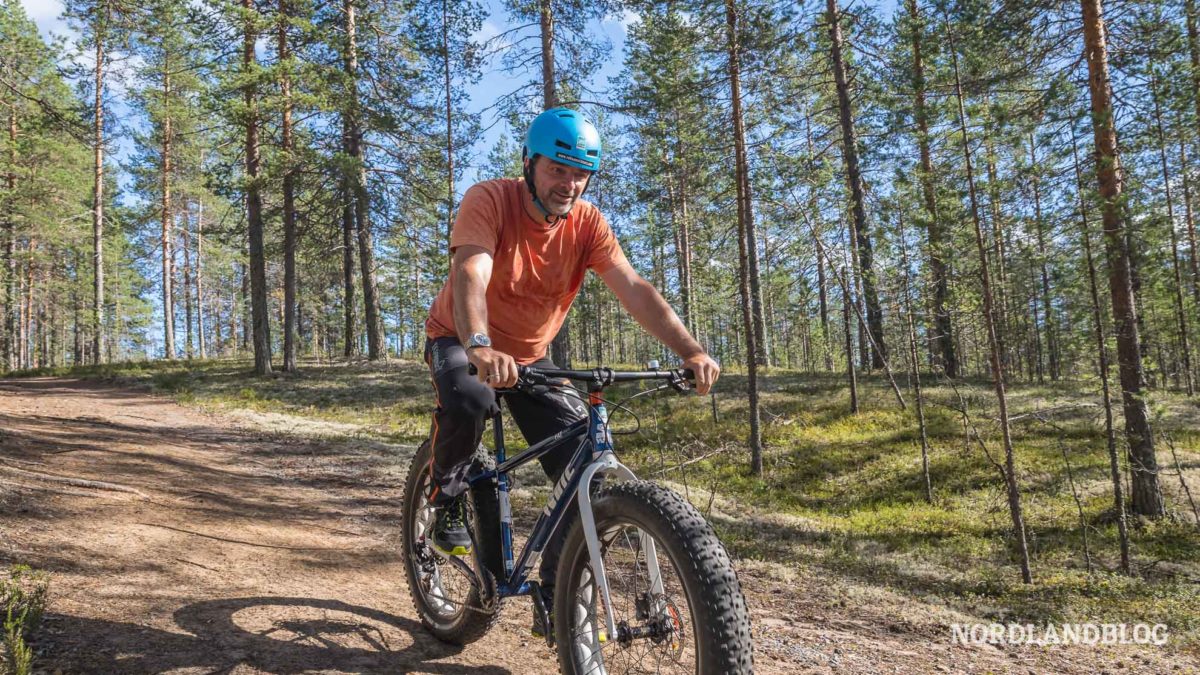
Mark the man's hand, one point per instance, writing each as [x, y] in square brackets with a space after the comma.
[496, 369]
[707, 371]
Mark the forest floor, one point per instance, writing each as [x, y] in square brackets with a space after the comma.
[216, 530]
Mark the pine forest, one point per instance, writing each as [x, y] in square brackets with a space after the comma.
[948, 212]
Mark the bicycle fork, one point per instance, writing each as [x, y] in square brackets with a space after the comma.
[608, 463]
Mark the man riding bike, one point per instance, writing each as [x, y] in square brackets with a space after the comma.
[520, 250]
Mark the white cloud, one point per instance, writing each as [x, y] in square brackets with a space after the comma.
[486, 32]
[47, 15]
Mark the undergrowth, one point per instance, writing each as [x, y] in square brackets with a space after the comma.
[23, 599]
[849, 487]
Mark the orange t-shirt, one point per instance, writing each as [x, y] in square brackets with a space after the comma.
[537, 269]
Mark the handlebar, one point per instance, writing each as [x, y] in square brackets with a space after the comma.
[598, 378]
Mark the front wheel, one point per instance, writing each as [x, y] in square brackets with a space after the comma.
[690, 617]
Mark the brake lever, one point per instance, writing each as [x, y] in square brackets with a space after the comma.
[679, 382]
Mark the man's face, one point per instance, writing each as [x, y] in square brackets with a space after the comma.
[558, 185]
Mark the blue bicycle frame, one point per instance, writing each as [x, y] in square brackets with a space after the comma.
[591, 440]
[593, 455]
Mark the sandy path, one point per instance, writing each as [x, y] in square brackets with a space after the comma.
[181, 543]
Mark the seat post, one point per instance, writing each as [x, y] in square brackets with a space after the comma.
[498, 432]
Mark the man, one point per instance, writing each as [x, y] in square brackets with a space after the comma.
[521, 249]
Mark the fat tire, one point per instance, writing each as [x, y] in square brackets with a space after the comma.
[475, 619]
[719, 614]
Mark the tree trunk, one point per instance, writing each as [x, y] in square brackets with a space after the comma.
[1194, 255]
[349, 332]
[187, 288]
[855, 181]
[259, 312]
[915, 364]
[745, 243]
[362, 201]
[449, 120]
[200, 279]
[942, 329]
[560, 347]
[1009, 471]
[10, 242]
[289, 194]
[822, 282]
[168, 255]
[1180, 313]
[1147, 498]
[1051, 325]
[100, 31]
[745, 196]
[1110, 434]
[850, 375]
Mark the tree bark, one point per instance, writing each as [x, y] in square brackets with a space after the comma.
[857, 193]
[362, 200]
[449, 121]
[10, 242]
[1194, 255]
[189, 346]
[168, 255]
[943, 328]
[1147, 497]
[1009, 471]
[100, 35]
[851, 378]
[1052, 348]
[745, 244]
[289, 194]
[349, 331]
[761, 349]
[200, 279]
[915, 364]
[259, 312]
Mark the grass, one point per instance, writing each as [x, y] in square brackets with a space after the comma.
[23, 599]
[849, 488]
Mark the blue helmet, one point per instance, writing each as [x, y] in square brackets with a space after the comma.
[565, 136]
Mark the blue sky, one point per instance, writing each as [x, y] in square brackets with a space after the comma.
[494, 83]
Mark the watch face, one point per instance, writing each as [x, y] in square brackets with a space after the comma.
[479, 340]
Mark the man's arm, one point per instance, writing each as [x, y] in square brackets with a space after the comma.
[472, 266]
[648, 308]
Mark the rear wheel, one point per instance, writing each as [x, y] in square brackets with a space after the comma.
[692, 619]
[445, 590]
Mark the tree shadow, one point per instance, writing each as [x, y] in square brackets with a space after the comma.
[267, 634]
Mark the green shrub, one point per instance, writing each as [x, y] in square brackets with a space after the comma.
[23, 598]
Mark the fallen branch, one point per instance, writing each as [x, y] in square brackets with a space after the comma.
[249, 543]
[1043, 413]
[76, 482]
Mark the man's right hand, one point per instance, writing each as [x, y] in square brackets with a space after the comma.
[495, 369]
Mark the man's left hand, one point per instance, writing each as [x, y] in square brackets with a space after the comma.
[706, 370]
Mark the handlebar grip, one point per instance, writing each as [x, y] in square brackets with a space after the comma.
[688, 373]
[471, 369]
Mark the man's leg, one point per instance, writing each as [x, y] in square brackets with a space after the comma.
[463, 406]
[539, 417]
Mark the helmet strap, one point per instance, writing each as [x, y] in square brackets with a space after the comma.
[550, 218]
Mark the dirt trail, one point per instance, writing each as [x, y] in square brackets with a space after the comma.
[184, 542]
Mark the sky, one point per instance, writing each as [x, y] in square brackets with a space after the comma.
[494, 83]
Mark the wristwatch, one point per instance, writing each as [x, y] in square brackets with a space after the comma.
[479, 340]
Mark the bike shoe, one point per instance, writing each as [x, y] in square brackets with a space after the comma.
[450, 535]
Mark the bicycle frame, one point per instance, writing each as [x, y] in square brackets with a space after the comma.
[593, 455]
